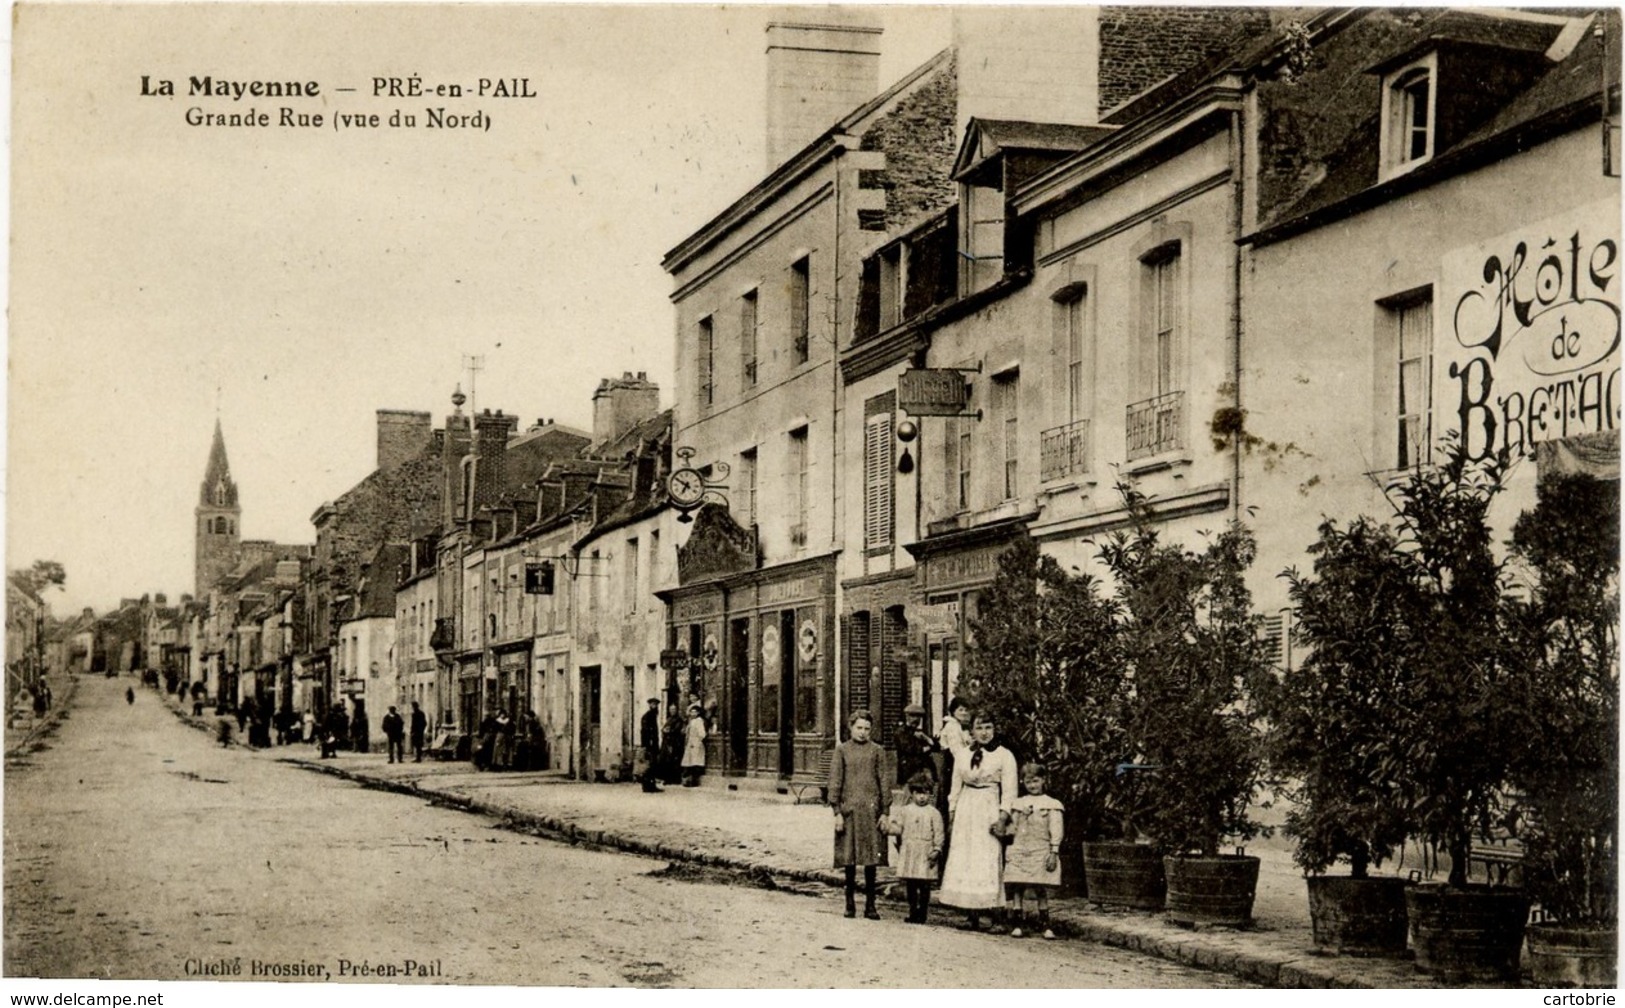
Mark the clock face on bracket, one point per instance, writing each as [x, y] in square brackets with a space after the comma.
[686, 486]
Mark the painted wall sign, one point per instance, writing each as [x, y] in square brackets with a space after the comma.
[1533, 347]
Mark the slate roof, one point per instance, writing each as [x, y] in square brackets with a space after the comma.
[1564, 96]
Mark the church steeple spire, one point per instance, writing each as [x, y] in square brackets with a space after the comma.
[218, 490]
[217, 535]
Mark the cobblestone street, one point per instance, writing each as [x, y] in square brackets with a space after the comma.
[135, 848]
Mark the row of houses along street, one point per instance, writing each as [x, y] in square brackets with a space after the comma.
[1254, 262]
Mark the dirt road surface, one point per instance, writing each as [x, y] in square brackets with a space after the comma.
[138, 848]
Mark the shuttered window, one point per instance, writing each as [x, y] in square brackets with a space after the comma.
[878, 488]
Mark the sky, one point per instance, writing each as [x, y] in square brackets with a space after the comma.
[291, 281]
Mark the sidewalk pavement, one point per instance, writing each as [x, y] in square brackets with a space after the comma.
[22, 731]
[758, 831]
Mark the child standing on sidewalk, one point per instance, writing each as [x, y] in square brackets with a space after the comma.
[860, 797]
[918, 827]
[1032, 865]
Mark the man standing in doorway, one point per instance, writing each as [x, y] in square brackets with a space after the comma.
[394, 734]
[649, 739]
[420, 725]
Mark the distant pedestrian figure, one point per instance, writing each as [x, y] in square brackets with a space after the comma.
[129, 694]
[243, 710]
[502, 749]
[485, 742]
[860, 796]
[222, 729]
[420, 727]
[41, 705]
[694, 747]
[1032, 863]
[919, 832]
[395, 735]
[309, 725]
[359, 729]
[334, 731]
[671, 747]
[649, 742]
[915, 747]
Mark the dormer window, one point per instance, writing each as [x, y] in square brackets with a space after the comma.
[1409, 115]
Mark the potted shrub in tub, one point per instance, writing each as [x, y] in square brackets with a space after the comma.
[1567, 774]
[1459, 716]
[1331, 742]
[1191, 644]
[1046, 664]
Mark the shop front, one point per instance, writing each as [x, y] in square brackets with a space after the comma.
[755, 649]
[950, 573]
[470, 688]
[513, 678]
[881, 672]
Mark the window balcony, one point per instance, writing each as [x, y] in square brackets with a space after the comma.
[1064, 451]
[1155, 426]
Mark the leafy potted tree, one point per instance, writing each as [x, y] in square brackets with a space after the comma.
[1191, 644]
[1331, 742]
[1455, 718]
[1046, 666]
[1568, 772]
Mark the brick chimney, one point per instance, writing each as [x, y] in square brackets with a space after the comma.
[491, 433]
[621, 404]
[817, 72]
[401, 435]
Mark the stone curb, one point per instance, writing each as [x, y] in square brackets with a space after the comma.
[1142, 933]
[1136, 931]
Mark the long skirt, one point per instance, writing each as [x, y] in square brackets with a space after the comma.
[974, 876]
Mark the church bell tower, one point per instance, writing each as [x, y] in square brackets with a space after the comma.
[218, 532]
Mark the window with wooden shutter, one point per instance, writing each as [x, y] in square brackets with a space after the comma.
[877, 471]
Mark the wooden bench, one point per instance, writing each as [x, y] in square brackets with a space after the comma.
[1502, 861]
[803, 785]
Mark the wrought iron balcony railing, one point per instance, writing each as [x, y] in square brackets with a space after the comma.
[1155, 426]
[1064, 450]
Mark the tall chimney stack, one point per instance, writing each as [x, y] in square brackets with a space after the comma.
[401, 435]
[818, 71]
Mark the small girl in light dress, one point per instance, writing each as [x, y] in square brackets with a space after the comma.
[919, 832]
[1032, 865]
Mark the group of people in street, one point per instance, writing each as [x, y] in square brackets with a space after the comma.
[508, 743]
[395, 733]
[674, 753]
[961, 826]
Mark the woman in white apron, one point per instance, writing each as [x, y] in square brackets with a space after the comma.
[984, 786]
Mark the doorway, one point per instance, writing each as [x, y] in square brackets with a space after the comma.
[787, 693]
[737, 727]
[592, 698]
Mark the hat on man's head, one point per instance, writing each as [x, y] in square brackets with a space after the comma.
[654, 700]
[914, 708]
